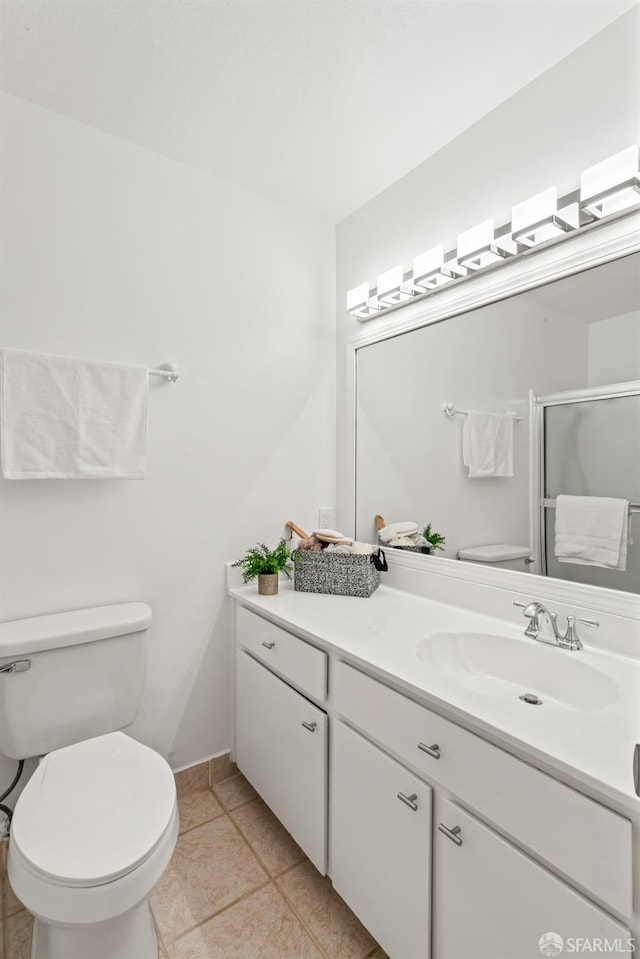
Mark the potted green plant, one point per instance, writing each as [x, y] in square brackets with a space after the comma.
[435, 540]
[265, 563]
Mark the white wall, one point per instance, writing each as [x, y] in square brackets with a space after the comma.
[582, 110]
[112, 252]
[614, 350]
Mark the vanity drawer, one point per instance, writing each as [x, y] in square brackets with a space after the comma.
[578, 836]
[294, 659]
[507, 899]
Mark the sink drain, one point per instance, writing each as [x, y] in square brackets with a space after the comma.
[531, 698]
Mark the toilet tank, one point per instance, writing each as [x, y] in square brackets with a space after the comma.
[503, 555]
[70, 676]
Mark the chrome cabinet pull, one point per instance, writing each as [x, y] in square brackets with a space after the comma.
[409, 801]
[636, 768]
[451, 834]
[310, 726]
[268, 645]
[433, 751]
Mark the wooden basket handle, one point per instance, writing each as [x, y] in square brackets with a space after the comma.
[296, 529]
[380, 523]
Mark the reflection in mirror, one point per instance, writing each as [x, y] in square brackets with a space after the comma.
[564, 358]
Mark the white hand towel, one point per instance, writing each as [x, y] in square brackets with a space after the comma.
[487, 444]
[66, 418]
[592, 531]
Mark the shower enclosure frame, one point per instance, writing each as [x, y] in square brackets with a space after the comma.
[538, 503]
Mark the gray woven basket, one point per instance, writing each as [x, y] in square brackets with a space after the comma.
[341, 574]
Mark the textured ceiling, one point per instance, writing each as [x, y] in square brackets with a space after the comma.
[320, 103]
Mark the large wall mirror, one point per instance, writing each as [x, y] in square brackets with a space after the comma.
[564, 359]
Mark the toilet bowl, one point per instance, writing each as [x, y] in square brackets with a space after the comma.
[92, 832]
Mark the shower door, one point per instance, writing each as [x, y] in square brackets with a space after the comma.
[589, 445]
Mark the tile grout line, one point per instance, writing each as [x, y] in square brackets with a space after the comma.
[215, 915]
[257, 855]
[270, 881]
[209, 786]
[205, 822]
[302, 922]
[233, 808]
[273, 878]
[235, 901]
[223, 809]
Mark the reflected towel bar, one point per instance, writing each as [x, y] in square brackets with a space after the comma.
[450, 410]
[168, 370]
[551, 504]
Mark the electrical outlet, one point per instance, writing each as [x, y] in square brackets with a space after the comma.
[325, 518]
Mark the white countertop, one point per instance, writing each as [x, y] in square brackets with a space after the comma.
[592, 749]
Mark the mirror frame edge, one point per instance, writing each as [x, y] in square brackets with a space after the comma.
[606, 242]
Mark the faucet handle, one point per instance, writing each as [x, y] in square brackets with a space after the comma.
[571, 640]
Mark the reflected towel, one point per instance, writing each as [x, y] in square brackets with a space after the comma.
[66, 418]
[592, 531]
[487, 444]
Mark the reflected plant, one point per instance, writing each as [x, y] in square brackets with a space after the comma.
[436, 540]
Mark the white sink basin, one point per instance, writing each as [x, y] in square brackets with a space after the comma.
[501, 666]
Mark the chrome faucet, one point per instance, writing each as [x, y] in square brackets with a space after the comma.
[570, 640]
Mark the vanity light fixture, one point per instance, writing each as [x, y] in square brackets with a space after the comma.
[537, 220]
[479, 247]
[391, 288]
[429, 271]
[359, 303]
[611, 186]
[608, 189]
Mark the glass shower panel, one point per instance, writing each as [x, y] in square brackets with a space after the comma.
[592, 448]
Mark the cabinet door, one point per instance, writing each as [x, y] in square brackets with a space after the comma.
[380, 844]
[491, 901]
[281, 747]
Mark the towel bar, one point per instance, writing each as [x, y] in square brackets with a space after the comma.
[450, 410]
[168, 370]
[551, 504]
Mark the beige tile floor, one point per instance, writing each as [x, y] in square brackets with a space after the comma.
[238, 886]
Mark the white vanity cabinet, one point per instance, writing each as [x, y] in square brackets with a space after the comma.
[381, 843]
[534, 809]
[281, 736]
[491, 901]
[445, 845]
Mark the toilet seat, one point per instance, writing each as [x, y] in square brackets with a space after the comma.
[93, 812]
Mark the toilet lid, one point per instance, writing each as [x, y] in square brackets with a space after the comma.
[93, 811]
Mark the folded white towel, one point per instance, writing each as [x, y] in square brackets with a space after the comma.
[592, 531]
[65, 418]
[487, 444]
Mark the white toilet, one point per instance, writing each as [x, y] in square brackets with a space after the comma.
[503, 555]
[97, 823]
